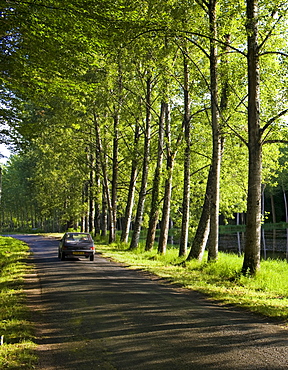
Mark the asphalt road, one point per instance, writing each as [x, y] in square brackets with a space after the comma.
[101, 315]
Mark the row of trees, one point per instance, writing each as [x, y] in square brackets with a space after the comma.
[144, 111]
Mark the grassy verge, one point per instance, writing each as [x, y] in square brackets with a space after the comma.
[265, 294]
[16, 352]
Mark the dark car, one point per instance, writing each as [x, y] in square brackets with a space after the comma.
[76, 245]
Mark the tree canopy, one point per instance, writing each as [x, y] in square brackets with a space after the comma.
[121, 107]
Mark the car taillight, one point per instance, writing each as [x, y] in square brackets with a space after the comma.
[92, 248]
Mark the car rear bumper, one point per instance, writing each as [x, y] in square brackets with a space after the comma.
[78, 253]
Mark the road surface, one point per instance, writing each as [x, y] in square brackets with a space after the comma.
[101, 315]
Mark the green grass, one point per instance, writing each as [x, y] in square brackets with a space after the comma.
[17, 349]
[265, 294]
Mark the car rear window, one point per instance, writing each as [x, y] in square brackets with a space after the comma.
[75, 238]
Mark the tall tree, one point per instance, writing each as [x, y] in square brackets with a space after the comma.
[251, 263]
[253, 227]
[145, 164]
[154, 208]
[171, 150]
[217, 135]
[103, 163]
[131, 189]
[187, 159]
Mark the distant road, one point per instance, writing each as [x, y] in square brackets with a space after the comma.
[100, 315]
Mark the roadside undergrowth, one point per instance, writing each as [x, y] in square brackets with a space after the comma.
[17, 346]
[265, 294]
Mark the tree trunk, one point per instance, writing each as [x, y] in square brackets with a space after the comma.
[251, 262]
[217, 138]
[85, 198]
[0, 185]
[104, 221]
[163, 238]
[112, 234]
[142, 194]
[203, 229]
[170, 157]
[262, 229]
[273, 212]
[97, 214]
[131, 191]
[154, 209]
[238, 234]
[91, 214]
[91, 195]
[208, 225]
[286, 218]
[187, 160]
[115, 165]
[102, 159]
